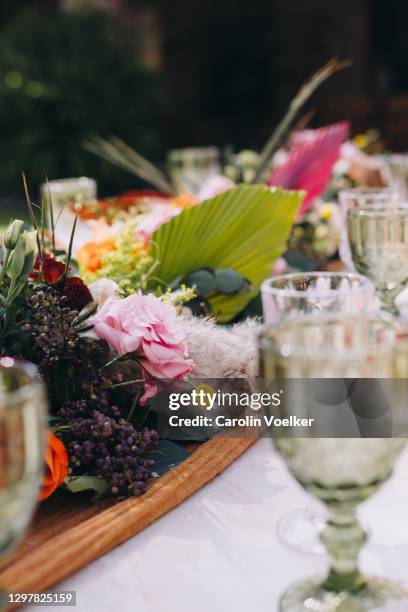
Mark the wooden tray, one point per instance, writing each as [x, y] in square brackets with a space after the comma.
[69, 531]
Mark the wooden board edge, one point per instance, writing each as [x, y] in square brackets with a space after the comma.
[69, 552]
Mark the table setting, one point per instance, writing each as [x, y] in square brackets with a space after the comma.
[279, 275]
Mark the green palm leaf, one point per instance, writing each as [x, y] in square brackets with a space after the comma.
[244, 228]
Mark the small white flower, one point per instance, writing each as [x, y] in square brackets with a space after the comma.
[103, 289]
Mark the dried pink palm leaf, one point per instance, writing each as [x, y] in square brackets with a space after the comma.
[310, 160]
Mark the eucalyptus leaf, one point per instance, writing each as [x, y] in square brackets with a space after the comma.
[203, 281]
[166, 455]
[299, 261]
[81, 484]
[229, 281]
[245, 288]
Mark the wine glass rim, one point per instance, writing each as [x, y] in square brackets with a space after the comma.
[403, 156]
[400, 208]
[284, 351]
[29, 369]
[364, 284]
[194, 152]
[375, 193]
[55, 185]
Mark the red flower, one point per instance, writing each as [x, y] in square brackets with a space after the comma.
[49, 269]
[77, 293]
[52, 270]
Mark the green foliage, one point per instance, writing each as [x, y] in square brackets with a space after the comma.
[244, 229]
[117, 152]
[203, 281]
[166, 455]
[63, 77]
[229, 281]
[129, 265]
[17, 256]
[207, 284]
[84, 483]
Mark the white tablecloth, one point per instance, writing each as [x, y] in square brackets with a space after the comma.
[220, 551]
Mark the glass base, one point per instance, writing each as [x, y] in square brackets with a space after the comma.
[301, 529]
[310, 596]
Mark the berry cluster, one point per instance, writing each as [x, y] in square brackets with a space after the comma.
[107, 446]
[98, 439]
[52, 328]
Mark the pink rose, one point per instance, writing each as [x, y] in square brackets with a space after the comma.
[144, 324]
[150, 390]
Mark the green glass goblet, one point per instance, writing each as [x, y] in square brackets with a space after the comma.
[361, 196]
[378, 238]
[340, 472]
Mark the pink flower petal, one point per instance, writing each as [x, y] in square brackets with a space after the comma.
[144, 324]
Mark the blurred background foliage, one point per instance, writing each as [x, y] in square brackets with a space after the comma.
[65, 75]
[162, 74]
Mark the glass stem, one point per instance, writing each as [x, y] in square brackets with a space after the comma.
[387, 301]
[343, 538]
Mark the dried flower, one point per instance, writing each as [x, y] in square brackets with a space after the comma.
[76, 292]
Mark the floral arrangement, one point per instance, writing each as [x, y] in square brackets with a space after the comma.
[123, 228]
[102, 347]
[126, 238]
[308, 162]
[98, 355]
[158, 245]
[360, 164]
[315, 238]
[119, 248]
[122, 258]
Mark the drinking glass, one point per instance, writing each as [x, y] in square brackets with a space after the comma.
[293, 295]
[303, 293]
[378, 239]
[190, 168]
[395, 168]
[360, 196]
[341, 473]
[22, 426]
[66, 194]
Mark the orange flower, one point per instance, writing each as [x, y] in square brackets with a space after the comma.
[56, 466]
[185, 200]
[90, 255]
[91, 210]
